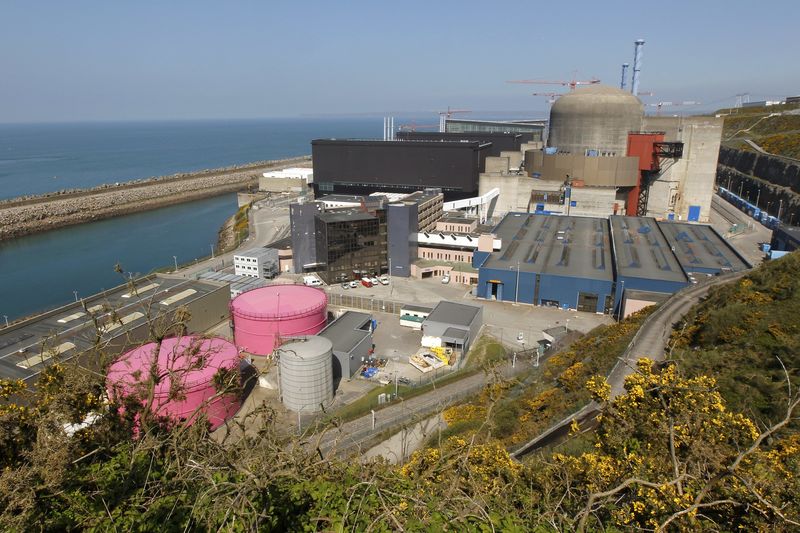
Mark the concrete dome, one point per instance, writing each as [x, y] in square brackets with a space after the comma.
[596, 117]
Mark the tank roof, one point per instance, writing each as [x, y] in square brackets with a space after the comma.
[279, 301]
[314, 347]
[195, 359]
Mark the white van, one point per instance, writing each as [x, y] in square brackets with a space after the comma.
[312, 281]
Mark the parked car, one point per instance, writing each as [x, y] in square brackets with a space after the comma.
[345, 285]
[353, 284]
[366, 282]
[374, 280]
[520, 336]
[384, 280]
[446, 279]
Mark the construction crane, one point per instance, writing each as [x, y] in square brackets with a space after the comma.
[551, 97]
[444, 115]
[659, 105]
[572, 84]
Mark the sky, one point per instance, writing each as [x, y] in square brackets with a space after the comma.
[156, 60]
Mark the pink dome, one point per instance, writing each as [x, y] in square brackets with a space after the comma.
[186, 363]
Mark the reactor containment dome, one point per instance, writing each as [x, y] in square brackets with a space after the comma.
[184, 387]
[306, 374]
[263, 317]
[595, 120]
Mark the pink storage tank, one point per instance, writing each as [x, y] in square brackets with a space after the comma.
[192, 362]
[262, 317]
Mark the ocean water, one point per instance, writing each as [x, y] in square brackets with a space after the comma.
[41, 271]
[40, 158]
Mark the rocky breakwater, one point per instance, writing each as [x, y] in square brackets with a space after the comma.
[23, 216]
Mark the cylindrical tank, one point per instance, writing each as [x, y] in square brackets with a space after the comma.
[264, 316]
[184, 386]
[306, 369]
[596, 117]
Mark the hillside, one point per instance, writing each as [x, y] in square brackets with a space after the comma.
[778, 134]
[744, 334]
[704, 444]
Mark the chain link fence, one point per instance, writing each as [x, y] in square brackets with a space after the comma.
[367, 303]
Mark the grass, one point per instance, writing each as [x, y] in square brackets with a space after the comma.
[744, 334]
[486, 352]
[369, 401]
[519, 410]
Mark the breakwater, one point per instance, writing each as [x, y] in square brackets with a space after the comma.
[28, 215]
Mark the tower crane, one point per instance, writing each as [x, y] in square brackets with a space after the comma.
[659, 105]
[572, 84]
[551, 97]
[444, 115]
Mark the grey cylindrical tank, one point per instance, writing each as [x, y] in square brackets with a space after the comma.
[306, 374]
[596, 117]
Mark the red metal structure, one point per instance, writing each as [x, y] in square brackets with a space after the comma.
[651, 150]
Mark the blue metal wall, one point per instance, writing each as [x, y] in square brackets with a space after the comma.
[565, 290]
[559, 288]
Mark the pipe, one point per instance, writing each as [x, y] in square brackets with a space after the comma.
[637, 65]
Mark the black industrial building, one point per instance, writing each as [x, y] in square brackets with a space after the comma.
[364, 166]
[501, 142]
[339, 244]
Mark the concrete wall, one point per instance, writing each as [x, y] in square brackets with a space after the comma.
[600, 171]
[515, 194]
[282, 184]
[690, 180]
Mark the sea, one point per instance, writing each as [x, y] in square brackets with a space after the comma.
[45, 270]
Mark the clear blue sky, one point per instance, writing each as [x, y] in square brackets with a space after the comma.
[110, 60]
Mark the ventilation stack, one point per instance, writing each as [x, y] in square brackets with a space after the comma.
[637, 66]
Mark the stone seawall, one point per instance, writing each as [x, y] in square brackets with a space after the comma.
[23, 216]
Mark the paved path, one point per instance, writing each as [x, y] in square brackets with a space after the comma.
[650, 341]
[352, 436]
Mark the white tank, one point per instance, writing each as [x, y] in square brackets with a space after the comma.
[306, 374]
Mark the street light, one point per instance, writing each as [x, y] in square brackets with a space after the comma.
[758, 196]
[566, 327]
[76, 295]
[175, 257]
[6, 317]
[212, 251]
[373, 418]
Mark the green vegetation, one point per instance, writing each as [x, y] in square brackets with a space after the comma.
[744, 334]
[487, 351]
[778, 134]
[515, 412]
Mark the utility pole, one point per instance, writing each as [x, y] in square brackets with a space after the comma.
[212, 251]
[758, 196]
[516, 288]
[76, 295]
[6, 317]
[780, 208]
[373, 418]
[175, 257]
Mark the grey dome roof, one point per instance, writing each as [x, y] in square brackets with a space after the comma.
[596, 117]
[598, 99]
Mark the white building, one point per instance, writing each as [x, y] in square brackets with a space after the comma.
[286, 180]
[257, 263]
